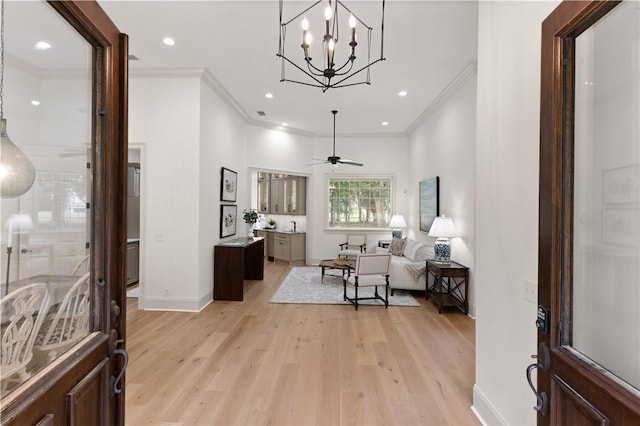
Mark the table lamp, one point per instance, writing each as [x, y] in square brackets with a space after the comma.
[19, 222]
[443, 229]
[397, 221]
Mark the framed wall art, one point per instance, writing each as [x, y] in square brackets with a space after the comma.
[228, 220]
[228, 185]
[621, 227]
[429, 202]
[622, 185]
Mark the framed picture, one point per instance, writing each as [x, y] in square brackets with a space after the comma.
[621, 227]
[228, 220]
[429, 202]
[228, 185]
[622, 185]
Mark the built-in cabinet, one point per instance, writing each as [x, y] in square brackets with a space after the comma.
[289, 248]
[264, 183]
[284, 247]
[133, 262]
[282, 194]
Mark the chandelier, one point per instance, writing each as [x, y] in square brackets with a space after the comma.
[329, 71]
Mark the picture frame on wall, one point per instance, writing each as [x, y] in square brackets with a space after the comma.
[228, 220]
[621, 226]
[228, 185]
[429, 192]
[622, 185]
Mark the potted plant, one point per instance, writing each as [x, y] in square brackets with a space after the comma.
[272, 223]
[250, 217]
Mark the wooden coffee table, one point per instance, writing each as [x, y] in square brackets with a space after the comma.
[341, 264]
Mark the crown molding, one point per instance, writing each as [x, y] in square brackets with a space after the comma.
[468, 71]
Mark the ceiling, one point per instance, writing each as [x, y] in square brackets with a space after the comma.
[426, 45]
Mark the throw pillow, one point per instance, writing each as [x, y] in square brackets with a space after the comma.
[423, 253]
[397, 246]
[410, 249]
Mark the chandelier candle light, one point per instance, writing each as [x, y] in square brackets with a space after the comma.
[323, 73]
[443, 229]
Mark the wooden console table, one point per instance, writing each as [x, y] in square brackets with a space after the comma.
[450, 285]
[235, 261]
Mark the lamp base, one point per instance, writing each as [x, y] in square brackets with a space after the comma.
[442, 251]
[396, 233]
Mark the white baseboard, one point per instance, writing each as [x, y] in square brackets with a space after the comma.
[484, 410]
[180, 304]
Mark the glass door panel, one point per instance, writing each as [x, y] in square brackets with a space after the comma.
[605, 321]
[46, 230]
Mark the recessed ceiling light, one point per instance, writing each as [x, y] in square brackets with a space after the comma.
[42, 45]
[169, 41]
[269, 95]
[385, 123]
[35, 102]
[402, 93]
[285, 124]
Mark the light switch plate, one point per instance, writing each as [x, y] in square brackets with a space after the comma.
[530, 291]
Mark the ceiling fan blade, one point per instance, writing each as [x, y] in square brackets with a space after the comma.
[315, 164]
[350, 162]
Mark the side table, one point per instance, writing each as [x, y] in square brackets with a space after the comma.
[450, 285]
[384, 243]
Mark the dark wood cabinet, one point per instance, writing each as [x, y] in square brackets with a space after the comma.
[235, 261]
[450, 285]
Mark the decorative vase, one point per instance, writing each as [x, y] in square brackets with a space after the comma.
[250, 234]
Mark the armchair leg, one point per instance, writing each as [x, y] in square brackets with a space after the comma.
[356, 301]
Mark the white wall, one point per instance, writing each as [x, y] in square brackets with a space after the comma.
[289, 152]
[222, 144]
[381, 156]
[444, 145]
[170, 131]
[507, 206]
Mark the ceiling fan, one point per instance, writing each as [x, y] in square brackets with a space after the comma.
[333, 159]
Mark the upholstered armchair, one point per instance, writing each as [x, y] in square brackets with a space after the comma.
[355, 245]
[372, 270]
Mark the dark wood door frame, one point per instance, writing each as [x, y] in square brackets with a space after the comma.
[559, 31]
[61, 393]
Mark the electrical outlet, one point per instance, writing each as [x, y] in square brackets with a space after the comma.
[530, 291]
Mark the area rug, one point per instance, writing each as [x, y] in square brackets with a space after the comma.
[303, 285]
[133, 292]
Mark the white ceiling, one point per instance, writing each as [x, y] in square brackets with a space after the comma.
[426, 44]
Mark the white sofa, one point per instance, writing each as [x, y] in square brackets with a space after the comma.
[407, 271]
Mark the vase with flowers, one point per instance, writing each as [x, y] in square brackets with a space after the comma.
[250, 217]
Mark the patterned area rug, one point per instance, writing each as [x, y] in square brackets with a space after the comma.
[133, 292]
[303, 285]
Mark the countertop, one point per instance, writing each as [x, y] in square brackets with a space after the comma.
[280, 231]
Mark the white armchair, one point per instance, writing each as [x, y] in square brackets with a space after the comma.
[372, 270]
[355, 246]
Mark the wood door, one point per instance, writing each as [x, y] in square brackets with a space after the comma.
[589, 356]
[83, 385]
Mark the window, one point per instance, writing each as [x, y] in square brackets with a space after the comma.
[359, 202]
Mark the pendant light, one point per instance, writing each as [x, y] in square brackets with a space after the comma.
[17, 172]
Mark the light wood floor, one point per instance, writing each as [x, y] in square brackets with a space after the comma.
[258, 363]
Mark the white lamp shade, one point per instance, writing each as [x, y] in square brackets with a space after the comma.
[442, 227]
[397, 221]
[19, 222]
